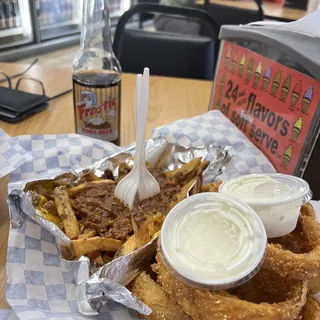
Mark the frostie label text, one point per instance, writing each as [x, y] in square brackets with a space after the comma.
[92, 111]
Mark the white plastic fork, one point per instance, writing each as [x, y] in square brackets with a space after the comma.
[148, 185]
[139, 179]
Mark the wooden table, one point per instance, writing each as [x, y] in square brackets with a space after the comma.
[275, 11]
[170, 99]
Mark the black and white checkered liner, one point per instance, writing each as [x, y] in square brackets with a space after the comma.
[214, 127]
[12, 154]
[39, 284]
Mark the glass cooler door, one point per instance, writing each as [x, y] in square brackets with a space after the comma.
[15, 23]
[118, 7]
[58, 18]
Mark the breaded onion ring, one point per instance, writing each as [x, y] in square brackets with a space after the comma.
[220, 305]
[298, 266]
[311, 310]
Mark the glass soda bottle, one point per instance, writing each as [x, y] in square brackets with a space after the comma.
[97, 77]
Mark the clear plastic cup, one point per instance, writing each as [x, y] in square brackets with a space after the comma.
[276, 198]
[211, 240]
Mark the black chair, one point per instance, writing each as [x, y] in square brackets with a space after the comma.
[166, 54]
[232, 15]
[146, 16]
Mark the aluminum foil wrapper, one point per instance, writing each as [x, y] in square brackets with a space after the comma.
[96, 286]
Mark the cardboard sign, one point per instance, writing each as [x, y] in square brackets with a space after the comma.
[271, 104]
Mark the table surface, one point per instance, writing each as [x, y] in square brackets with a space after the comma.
[271, 9]
[170, 99]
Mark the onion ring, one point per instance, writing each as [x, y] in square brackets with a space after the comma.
[221, 305]
[298, 266]
[311, 310]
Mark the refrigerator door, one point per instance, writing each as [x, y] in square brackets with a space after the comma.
[15, 23]
[118, 7]
[57, 18]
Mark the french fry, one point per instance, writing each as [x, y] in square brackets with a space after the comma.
[85, 246]
[155, 235]
[141, 230]
[184, 192]
[186, 172]
[65, 212]
[87, 234]
[211, 187]
[129, 246]
[155, 225]
[196, 188]
[204, 164]
[72, 192]
[165, 157]
[192, 186]
[145, 226]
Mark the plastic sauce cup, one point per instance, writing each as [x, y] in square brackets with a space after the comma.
[276, 198]
[212, 240]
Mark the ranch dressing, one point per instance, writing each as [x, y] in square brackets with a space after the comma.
[213, 240]
[276, 198]
[263, 187]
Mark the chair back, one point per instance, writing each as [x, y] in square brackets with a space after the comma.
[146, 16]
[166, 54]
[232, 15]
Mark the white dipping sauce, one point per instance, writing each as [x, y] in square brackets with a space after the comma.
[212, 240]
[276, 198]
[260, 187]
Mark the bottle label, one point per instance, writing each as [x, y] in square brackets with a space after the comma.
[97, 111]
